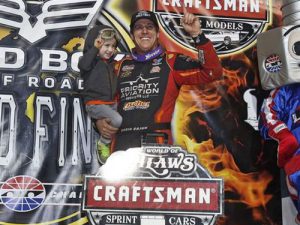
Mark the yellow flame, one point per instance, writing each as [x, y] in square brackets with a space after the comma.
[250, 187]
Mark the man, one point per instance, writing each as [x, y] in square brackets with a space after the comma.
[150, 79]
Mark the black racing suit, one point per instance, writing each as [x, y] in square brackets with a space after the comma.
[147, 91]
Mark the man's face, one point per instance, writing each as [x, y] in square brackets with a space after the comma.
[145, 36]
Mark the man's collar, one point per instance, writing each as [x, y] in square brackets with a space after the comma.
[147, 56]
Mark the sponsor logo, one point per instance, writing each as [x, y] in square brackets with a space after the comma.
[139, 88]
[155, 69]
[127, 68]
[149, 56]
[273, 63]
[230, 25]
[279, 128]
[125, 74]
[136, 105]
[22, 193]
[152, 185]
[55, 15]
[25, 193]
[157, 62]
[140, 78]
[201, 57]
[143, 14]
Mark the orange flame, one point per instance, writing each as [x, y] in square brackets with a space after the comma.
[219, 162]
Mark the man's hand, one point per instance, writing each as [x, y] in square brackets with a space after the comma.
[191, 23]
[105, 129]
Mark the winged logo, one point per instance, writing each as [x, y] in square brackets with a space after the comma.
[55, 15]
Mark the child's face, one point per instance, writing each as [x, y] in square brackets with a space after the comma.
[108, 48]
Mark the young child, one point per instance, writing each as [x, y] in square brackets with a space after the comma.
[96, 68]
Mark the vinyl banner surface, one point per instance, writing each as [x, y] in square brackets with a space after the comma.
[48, 143]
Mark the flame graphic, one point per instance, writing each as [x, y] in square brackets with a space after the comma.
[250, 187]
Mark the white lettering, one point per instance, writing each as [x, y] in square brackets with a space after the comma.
[11, 58]
[41, 134]
[110, 193]
[7, 78]
[204, 195]
[7, 138]
[251, 100]
[79, 130]
[54, 60]
[218, 5]
[152, 194]
[33, 81]
[135, 193]
[174, 194]
[44, 105]
[96, 193]
[50, 82]
[74, 61]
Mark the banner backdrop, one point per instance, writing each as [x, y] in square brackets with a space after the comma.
[47, 142]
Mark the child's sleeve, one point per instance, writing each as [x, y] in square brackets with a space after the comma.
[86, 61]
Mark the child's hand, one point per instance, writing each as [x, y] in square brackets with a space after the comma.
[98, 42]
